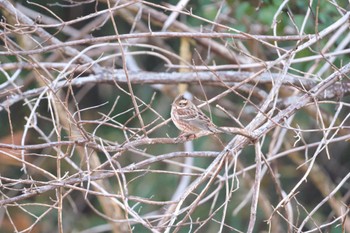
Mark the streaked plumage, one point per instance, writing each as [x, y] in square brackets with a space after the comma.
[188, 118]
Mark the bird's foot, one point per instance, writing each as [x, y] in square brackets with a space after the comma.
[185, 137]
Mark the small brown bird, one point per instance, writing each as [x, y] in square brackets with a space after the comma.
[188, 118]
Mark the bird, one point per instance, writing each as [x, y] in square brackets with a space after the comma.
[188, 118]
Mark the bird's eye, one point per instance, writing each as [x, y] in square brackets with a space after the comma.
[183, 103]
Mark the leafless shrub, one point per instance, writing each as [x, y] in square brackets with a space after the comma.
[88, 144]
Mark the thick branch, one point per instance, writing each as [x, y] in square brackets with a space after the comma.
[209, 78]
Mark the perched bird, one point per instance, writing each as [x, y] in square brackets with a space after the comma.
[188, 118]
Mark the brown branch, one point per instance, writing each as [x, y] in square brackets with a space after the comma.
[23, 19]
[206, 78]
[96, 40]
